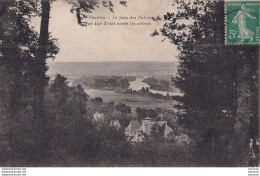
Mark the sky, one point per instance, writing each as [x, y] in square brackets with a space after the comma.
[110, 43]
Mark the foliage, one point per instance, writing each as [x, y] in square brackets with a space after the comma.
[123, 108]
[103, 82]
[77, 140]
[82, 7]
[208, 77]
[150, 153]
[157, 132]
[18, 61]
[143, 113]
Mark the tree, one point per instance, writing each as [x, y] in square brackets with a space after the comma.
[124, 109]
[60, 89]
[143, 90]
[40, 66]
[80, 6]
[210, 76]
[147, 90]
[19, 51]
[140, 113]
[66, 122]
[157, 132]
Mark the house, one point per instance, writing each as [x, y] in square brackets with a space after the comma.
[135, 132]
[130, 130]
[138, 136]
[146, 126]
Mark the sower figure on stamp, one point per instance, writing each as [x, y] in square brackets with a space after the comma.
[240, 19]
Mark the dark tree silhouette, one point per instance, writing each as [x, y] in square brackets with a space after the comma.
[214, 79]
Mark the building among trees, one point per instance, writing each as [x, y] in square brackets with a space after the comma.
[137, 133]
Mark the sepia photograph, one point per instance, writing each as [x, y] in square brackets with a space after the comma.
[135, 83]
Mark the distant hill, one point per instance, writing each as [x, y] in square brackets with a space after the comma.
[74, 70]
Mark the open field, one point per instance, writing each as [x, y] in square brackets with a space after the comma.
[131, 100]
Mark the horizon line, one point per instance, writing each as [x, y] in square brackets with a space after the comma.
[105, 61]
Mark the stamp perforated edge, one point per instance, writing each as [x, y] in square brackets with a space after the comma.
[225, 26]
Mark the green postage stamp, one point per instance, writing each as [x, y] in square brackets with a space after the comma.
[242, 22]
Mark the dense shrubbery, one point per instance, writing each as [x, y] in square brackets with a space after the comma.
[72, 137]
[149, 153]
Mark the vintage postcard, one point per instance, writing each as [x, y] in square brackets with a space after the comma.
[138, 83]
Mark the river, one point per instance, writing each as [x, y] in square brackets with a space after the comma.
[133, 100]
[134, 85]
[138, 85]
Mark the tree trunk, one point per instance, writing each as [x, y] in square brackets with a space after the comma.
[40, 66]
[40, 79]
